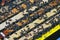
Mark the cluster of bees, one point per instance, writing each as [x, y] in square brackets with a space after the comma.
[24, 24]
[12, 9]
[33, 24]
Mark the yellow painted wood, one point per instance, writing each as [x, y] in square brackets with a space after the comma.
[44, 36]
